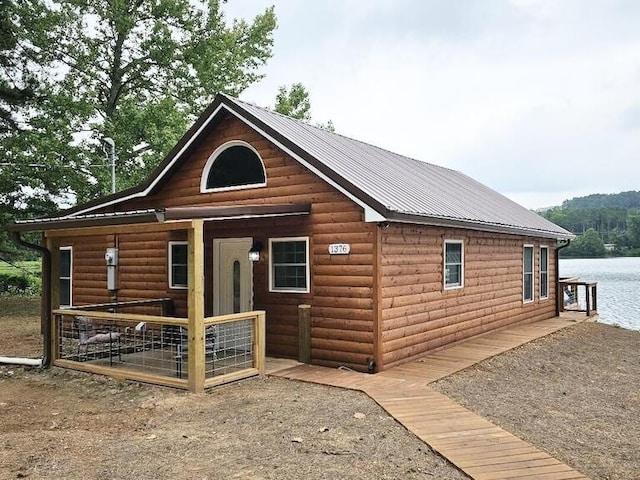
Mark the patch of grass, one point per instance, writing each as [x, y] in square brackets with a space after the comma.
[21, 267]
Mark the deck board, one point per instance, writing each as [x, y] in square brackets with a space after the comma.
[481, 449]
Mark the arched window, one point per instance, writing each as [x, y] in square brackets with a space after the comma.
[234, 165]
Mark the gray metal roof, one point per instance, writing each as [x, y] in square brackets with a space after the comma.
[408, 189]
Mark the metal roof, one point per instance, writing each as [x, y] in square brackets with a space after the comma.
[392, 186]
[409, 190]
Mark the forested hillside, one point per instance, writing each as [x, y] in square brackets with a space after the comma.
[600, 219]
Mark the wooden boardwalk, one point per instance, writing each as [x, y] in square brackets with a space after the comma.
[481, 449]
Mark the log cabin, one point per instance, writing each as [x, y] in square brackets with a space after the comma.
[386, 257]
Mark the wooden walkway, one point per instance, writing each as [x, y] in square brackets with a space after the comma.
[481, 449]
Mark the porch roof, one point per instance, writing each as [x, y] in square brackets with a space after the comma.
[160, 215]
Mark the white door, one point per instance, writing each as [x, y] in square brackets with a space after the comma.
[232, 293]
[233, 276]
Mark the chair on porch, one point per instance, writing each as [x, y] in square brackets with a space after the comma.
[178, 336]
[88, 335]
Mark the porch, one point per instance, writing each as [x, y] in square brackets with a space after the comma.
[578, 296]
[142, 340]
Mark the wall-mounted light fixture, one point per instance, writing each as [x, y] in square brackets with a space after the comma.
[254, 252]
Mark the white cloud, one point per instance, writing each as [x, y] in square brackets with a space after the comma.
[538, 99]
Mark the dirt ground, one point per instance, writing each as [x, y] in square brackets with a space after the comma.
[575, 394]
[62, 424]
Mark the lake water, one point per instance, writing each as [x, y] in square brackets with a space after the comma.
[618, 286]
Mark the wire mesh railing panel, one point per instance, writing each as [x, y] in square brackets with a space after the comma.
[232, 349]
[145, 347]
[156, 349]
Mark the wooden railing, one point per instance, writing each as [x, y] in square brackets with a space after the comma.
[164, 304]
[578, 296]
[158, 349]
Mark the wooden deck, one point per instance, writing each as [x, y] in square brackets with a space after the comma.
[481, 449]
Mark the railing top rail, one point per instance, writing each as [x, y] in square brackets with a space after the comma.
[587, 283]
[132, 317]
[232, 317]
[131, 303]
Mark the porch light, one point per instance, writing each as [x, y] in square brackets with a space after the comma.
[254, 252]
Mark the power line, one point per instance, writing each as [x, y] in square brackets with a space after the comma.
[43, 165]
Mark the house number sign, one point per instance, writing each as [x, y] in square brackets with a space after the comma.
[339, 249]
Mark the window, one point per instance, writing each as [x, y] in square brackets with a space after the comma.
[544, 272]
[234, 165]
[178, 265]
[66, 270]
[453, 264]
[527, 278]
[289, 265]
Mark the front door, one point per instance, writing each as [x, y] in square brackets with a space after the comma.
[233, 276]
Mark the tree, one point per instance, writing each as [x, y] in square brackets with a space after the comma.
[294, 102]
[588, 245]
[137, 71]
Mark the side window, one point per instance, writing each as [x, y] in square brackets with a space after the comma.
[178, 265]
[453, 264]
[66, 273]
[544, 272]
[289, 265]
[527, 277]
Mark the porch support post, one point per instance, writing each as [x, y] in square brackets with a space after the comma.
[196, 356]
[54, 285]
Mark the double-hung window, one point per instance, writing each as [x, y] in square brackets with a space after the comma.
[527, 277]
[289, 264]
[178, 265]
[66, 270]
[453, 264]
[544, 272]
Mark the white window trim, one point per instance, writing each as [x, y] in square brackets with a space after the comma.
[307, 270]
[60, 277]
[533, 270]
[546, 297]
[170, 264]
[444, 264]
[214, 156]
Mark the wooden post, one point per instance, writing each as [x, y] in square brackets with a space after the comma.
[195, 267]
[259, 349]
[52, 245]
[304, 333]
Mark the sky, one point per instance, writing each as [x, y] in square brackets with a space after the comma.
[537, 99]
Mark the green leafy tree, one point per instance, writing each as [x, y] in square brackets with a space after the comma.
[588, 245]
[137, 71]
[294, 102]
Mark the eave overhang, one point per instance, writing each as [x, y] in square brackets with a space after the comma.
[160, 215]
[477, 226]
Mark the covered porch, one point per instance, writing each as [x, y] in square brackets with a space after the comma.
[140, 338]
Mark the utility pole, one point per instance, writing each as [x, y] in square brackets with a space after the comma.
[112, 145]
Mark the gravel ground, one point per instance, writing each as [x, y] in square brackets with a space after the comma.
[62, 424]
[574, 394]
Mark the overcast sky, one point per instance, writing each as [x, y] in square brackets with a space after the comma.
[539, 100]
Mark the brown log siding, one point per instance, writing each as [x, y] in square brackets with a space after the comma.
[385, 300]
[419, 315]
[341, 286]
